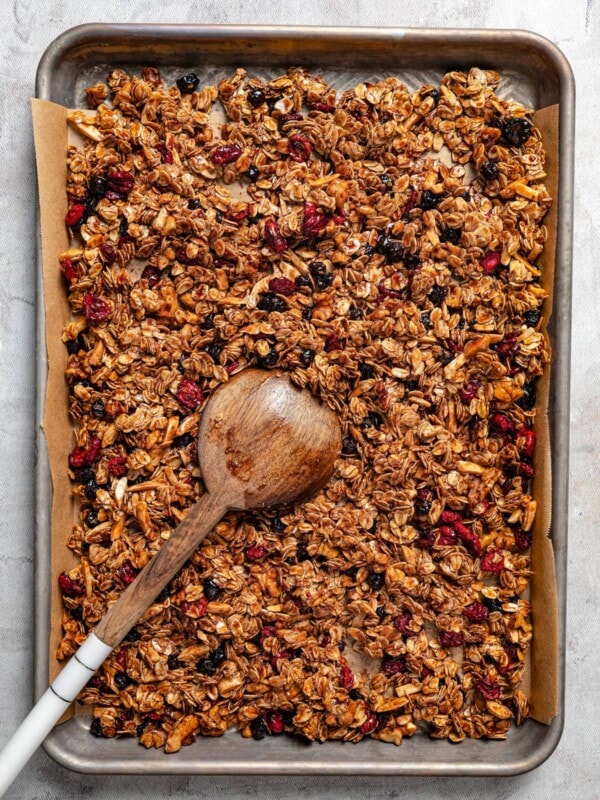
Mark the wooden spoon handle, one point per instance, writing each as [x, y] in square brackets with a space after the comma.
[130, 606]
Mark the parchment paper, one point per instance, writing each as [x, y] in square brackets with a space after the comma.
[51, 136]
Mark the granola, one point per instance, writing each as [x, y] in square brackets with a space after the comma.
[380, 247]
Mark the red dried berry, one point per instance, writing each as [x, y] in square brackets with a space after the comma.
[128, 573]
[75, 214]
[522, 539]
[370, 724]
[108, 253]
[266, 632]
[402, 621]
[393, 666]
[315, 220]
[502, 424]
[121, 183]
[450, 517]
[346, 678]
[189, 394]
[275, 241]
[476, 612]
[274, 720]
[256, 553]
[469, 392]
[226, 154]
[152, 275]
[69, 587]
[489, 691]
[493, 561]
[283, 286]
[68, 270]
[528, 445]
[490, 261]
[299, 147]
[451, 639]
[92, 448]
[526, 471]
[95, 309]
[117, 466]
[166, 156]
[447, 536]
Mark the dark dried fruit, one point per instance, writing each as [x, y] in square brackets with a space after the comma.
[212, 590]
[451, 235]
[516, 130]
[188, 83]
[489, 171]
[152, 275]
[283, 286]
[259, 728]
[189, 394]
[321, 277]
[376, 580]
[95, 309]
[450, 639]
[256, 97]
[275, 241]
[476, 612]
[299, 147]
[271, 302]
[226, 154]
[430, 200]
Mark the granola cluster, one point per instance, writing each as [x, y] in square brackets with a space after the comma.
[380, 247]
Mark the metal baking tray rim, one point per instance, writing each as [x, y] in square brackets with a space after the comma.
[355, 761]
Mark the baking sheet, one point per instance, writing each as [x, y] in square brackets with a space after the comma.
[50, 119]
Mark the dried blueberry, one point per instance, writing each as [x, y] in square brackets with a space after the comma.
[188, 83]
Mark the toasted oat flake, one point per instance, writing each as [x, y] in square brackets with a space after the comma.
[354, 242]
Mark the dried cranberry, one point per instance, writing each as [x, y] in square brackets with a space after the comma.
[274, 721]
[128, 572]
[315, 220]
[189, 394]
[68, 270]
[120, 182]
[275, 241]
[346, 678]
[370, 724]
[493, 561]
[188, 83]
[75, 214]
[489, 171]
[256, 553]
[69, 587]
[489, 691]
[402, 621]
[152, 275]
[469, 392]
[490, 262]
[502, 424]
[166, 155]
[299, 147]
[117, 466]
[393, 666]
[476, 612]
[522, 539]
[447, 536]
[226, 154]
[451, 639]
[283, 286]
[256, 97]
[95, 309]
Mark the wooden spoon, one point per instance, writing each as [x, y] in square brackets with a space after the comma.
[262, 442]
